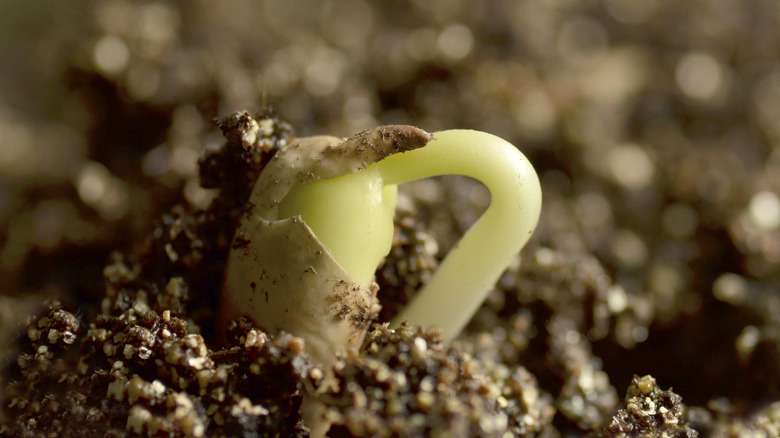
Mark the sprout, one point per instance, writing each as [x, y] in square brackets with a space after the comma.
[474, 265]
[320, 219]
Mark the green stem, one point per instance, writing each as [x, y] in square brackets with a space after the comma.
[473, 267]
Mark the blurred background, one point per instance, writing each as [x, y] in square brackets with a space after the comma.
[654, 126]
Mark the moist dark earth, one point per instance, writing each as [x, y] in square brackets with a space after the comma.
[647, 303]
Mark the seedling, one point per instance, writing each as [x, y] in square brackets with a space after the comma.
[320, 219]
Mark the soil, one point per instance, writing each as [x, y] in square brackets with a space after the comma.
[647, 303]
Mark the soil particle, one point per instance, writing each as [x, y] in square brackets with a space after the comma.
[650, 412]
